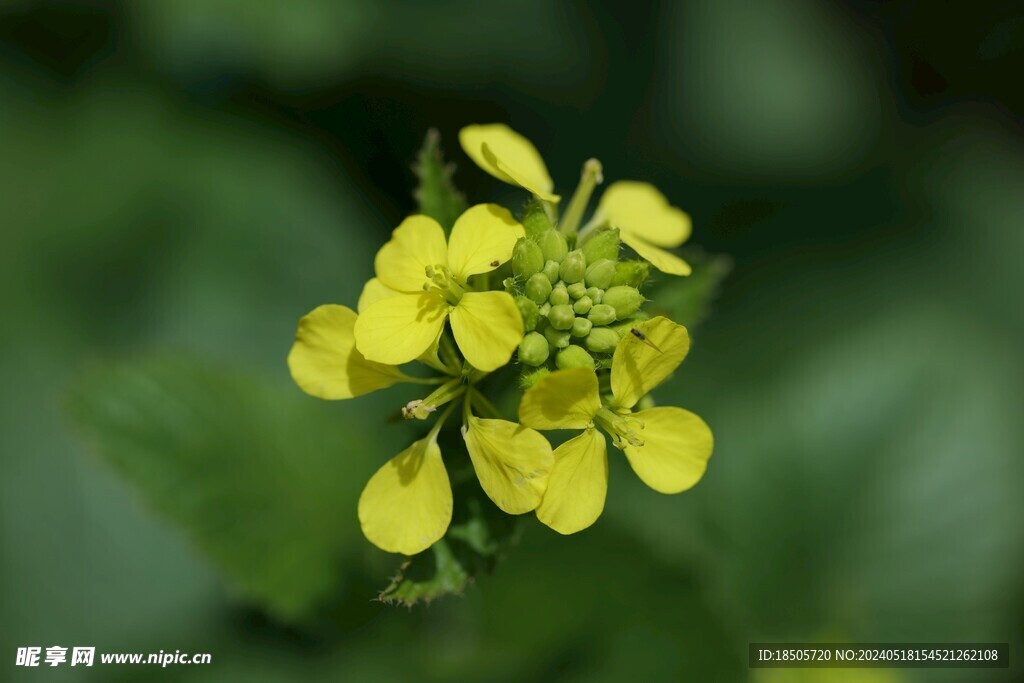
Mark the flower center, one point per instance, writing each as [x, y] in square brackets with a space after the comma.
[441, 280]
[624, 429]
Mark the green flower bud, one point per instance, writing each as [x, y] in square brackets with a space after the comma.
[581, 327]
[551, 270]
[625, 300]
[554, 246]
[577, 290]
[602, 340]
[559, 295]
[529, 379]
[528, 309]
[601, 314]
[600, 273]
[543, 310]
[596, 294]
[536, 220]
[538, 287]
[561, 317]
[574, 357]
[631, 273]
[557, 338]
[527, 258]
[574, 266]
[533, 350]
[602, 245]
[582, 307]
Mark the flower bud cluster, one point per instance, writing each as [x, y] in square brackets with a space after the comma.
[576, 303]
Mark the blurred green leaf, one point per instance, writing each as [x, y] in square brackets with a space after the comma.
[687, 300]
[477, 539]
[436, 195]
[249, 471]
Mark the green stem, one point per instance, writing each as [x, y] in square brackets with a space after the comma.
[484, 405]
[589, 179]
[449, 356]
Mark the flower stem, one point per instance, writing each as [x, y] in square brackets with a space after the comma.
[589, 179]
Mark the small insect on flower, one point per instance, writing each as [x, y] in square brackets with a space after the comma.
[642, 337]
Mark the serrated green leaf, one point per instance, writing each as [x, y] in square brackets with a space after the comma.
[476, 541]
[249, 471]
[687, 300]
[436, 195]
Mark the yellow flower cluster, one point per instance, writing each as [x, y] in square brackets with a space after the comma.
[433, 300]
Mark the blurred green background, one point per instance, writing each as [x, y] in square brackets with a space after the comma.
[181, 180]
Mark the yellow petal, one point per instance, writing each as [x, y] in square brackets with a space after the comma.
[565, 399]
[639, 208]
[325, 363]
[407, 505]
[637, 367]
[511, 461]
[488, 328]
[677, 445]
[481, 240]
[373, 291]
[577, 485]
[415, 244]
[398, 329]
[665, 261]
[509, 157]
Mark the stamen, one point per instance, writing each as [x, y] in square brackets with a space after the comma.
[622, 428]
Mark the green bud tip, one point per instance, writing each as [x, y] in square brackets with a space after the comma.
[528, 380]
[601, 314]
[602, 245]
[528, 310]
[527, 258]
[557, 338]
[596, 294]
[573, 267]
[602, 340]
[561, 317]
[631, 273]
[624, 299]
[600, 273]
[574, 357]
[583, 306]
[538, 287]
[577, 290]
[536, 220]
[581, 327]
[554, 246]
[533, 350]
[551, 271]
[559, 295]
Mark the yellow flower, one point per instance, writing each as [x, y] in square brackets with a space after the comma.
[667, 447]
[509, 157]
[646, 221]
[428, 283]
[325, 363]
